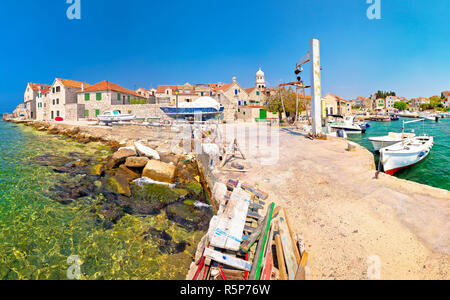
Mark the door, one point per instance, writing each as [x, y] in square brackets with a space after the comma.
[262, 114]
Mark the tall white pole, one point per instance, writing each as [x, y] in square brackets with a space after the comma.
[316, 94]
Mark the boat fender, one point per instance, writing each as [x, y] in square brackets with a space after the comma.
[340, 133]
[421, 154]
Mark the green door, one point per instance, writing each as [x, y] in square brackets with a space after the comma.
[262, 114]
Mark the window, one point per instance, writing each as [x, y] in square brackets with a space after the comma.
[99, 96]
[236, 92]
[239, 110]
[257, 93]
[201, 94]
[52, 114]
[57, 113]
[53, 91]
[58, 89]
[87, 97]
[53, 101]
[239, 103]
[97, 112]
[57, 101]
[118, 96]
[86, 113]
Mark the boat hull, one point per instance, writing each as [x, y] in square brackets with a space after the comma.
[116, 118]
[191, 112]
[356, 129]
[394, 161]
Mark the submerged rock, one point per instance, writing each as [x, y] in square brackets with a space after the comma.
[160, 171]
[165, 241]
[188, 216]
[152, 197]
[119, 184]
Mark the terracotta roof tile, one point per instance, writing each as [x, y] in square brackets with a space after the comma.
[73, 83]
[109, 86]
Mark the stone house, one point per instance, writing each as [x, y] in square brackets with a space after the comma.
[62, 98]
[146, 93]
[43, 105]
[378, 105]
[100, 97]
[416, 102]
[336, 105]
[446, 100]
[389, 103]
[31, 93]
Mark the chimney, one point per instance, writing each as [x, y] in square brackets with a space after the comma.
[82, 87]
[234, 78]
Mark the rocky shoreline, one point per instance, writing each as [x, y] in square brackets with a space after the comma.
[135, 180]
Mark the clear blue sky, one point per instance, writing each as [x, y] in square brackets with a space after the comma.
[147, 43]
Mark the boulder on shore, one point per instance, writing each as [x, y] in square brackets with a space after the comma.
[123, 153]
[160, 171]
[128, 173]
[136, 162]
[146, 151]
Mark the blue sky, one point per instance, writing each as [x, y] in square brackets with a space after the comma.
[147, 43]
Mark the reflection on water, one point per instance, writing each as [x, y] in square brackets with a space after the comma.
[38, 233]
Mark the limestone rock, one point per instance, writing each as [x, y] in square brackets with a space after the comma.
[146, 151]
[124, 152]
[160, 171]
[128, 173]
[136, 162]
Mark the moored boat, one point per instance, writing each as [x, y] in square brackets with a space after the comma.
[206, 107]
[388, 140]
[348, 125]
[405, 154]
[110, 116]
[430, 117]
[380, 118]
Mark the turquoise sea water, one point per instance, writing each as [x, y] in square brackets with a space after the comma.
[435, 169]
[38, 234]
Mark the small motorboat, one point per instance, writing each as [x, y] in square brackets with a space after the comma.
[381, 119]
[429, 117]
[405, 154]
[395, 118]
[348, 125]
[389, 140]
[110, 116]
[408, 114]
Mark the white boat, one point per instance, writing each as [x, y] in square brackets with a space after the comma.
[390, 139]
[429, 117]
[406, 153]
[110, 116]
[408, 114]
[348, 125]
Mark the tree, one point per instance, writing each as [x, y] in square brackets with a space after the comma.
[383, 94]
[400, 105]
[289, 99]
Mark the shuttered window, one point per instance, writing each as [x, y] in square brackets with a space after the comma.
[87, 97]
[97, 112]
[99, 96]
[86, 113]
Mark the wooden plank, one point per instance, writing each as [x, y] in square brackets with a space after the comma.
[229, 228]
[228, 260]
[298, 257]
[258, 193]
[248, 243]
[288, 249]
[268, 259]
[262, 244]
[280, 258]
[301, 272]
